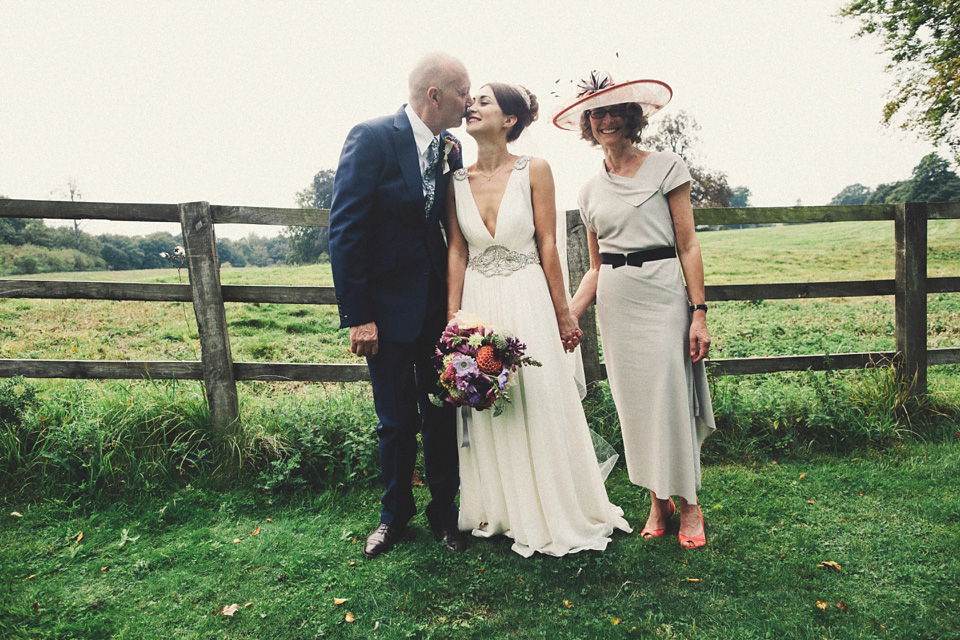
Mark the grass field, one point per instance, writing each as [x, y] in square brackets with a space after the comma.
[124, 523]
[163, 566]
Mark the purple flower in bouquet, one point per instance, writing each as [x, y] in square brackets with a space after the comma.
[465, 365]
[477, 364]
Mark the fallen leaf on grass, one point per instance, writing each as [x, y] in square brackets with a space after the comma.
[256, 531]
[349, 617]
[79, 537]
[269, 520]
[842, 606]
[36, 606]
[829, 564]
[693, 579]
[16, 514]
[228, 610]
[352, 563]
[568, 604]
[416, 481]
[614, 621]
[31, 576]
[235, 540]
[822, 605]
[803, 475]
[249, 604]
[810, 502]
[339, 601]
[104, 568]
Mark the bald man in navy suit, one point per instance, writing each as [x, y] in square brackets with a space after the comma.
[389, 261]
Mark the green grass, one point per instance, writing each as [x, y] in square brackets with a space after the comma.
[889, 520]
[820, 252]
[128, 330]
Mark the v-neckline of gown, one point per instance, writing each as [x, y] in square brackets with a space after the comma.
[476, 207]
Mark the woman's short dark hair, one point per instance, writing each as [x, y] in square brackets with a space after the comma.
[634, 121]
[512, 104]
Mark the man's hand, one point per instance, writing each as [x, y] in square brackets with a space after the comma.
[364, 340]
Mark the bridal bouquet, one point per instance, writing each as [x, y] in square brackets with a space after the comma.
[477, 364]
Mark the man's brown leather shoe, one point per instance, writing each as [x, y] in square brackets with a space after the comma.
[450, 536]
[381, 540]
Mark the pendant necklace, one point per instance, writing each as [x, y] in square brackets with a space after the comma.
[488, 177]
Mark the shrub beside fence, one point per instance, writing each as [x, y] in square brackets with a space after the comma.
[219, 372]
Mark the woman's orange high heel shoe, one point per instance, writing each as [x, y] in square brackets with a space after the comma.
[658, 533]
[696, 541]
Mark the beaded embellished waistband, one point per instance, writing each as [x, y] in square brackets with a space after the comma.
[497, 260]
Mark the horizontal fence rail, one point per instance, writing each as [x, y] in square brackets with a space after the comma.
[180, 370]
[222, 214]
[283, 294]
[910, 287]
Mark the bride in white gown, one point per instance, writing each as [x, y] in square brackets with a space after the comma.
[530, 473]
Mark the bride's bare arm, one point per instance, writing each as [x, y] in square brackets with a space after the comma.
[587, 291]
[456, 255]
[545, 224]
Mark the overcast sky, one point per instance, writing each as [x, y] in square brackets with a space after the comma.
[241, 103]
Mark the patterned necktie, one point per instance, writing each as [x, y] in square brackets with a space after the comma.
[429, 184]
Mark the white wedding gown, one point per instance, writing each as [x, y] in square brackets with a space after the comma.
[530, 473]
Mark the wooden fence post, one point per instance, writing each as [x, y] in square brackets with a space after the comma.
[910, 229]
[203, 265]
[578, 262]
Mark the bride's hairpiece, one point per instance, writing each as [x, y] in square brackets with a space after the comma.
[523, 94]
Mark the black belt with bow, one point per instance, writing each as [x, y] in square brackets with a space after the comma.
[637, 258]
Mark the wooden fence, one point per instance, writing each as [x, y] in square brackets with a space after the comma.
[219, 372]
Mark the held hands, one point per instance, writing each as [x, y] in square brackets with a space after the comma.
[570, 333]
[364, 340]
[699, 339]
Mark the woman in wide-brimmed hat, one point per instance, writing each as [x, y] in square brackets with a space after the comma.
[643, 248]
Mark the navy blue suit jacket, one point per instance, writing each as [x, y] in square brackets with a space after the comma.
[384, 249]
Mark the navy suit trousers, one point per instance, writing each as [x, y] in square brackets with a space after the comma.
[402, 376]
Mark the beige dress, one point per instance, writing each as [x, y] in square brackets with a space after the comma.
[662, 399]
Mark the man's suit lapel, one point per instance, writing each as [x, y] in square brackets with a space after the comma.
[407, 155]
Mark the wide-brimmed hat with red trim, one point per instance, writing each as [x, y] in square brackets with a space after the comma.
[599, 90]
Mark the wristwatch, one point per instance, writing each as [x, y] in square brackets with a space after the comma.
[694, 307]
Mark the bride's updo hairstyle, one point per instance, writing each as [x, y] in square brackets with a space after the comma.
[514, 103]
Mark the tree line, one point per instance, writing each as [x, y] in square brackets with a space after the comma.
[931, 181]
[28, 246]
